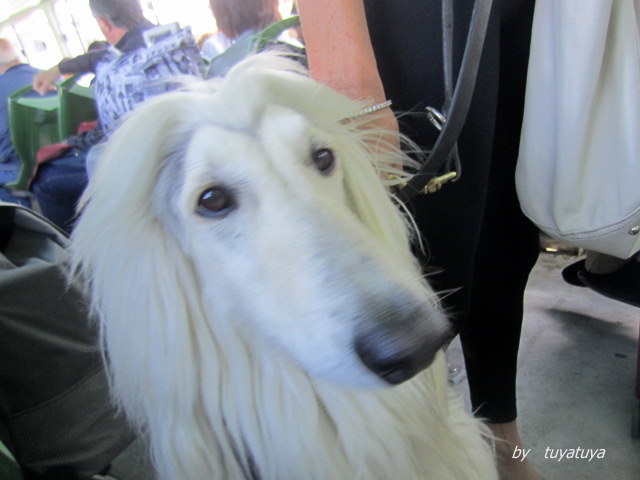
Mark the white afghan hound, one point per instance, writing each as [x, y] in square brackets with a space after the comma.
[257, 294]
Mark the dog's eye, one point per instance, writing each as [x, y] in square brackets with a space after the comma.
[324, 160]
[215, 202]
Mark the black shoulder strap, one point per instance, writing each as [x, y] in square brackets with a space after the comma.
[459, 104]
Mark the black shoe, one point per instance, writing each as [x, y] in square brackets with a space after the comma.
[622, 285]
[570, 273]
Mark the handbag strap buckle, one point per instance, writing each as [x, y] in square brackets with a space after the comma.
[436, 183]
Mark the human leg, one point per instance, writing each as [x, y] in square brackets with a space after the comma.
[507, 250]
[93, 157]
[508, 243]
[463, 222]
[9, 172]
[57, 188]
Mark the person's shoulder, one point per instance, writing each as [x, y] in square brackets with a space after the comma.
[134, 38]
[21, 73]
[24, 68]
[30, 69]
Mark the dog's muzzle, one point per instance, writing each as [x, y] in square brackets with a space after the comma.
[396, 349]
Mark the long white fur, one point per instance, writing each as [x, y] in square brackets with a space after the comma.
[228, 339]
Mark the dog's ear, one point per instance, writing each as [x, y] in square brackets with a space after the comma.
[139, 282]
[148, 299]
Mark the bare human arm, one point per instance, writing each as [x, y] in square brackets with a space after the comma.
[338, 47]
[43, 82]
[340, 54]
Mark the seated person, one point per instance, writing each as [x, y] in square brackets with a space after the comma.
[59, 182]
[237, 19]
[240, 22]
[119, 86]
[122, 24]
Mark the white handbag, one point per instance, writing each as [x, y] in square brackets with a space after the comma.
[578, 173]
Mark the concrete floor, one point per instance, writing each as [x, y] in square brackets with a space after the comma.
[576, 378]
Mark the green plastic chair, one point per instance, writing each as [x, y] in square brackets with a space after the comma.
[77, 105]
[273, 31]
[9, 468]
[33, 122]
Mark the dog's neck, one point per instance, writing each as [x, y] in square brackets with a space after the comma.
[273, 421]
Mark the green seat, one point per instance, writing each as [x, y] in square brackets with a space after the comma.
[77, 105]
[9, 468]
[33, 121]
[273, 31]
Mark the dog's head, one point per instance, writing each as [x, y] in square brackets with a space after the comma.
[257, 193]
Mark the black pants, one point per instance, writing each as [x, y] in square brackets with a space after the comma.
[474, 228]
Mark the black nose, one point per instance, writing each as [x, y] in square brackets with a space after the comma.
[398, 350]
